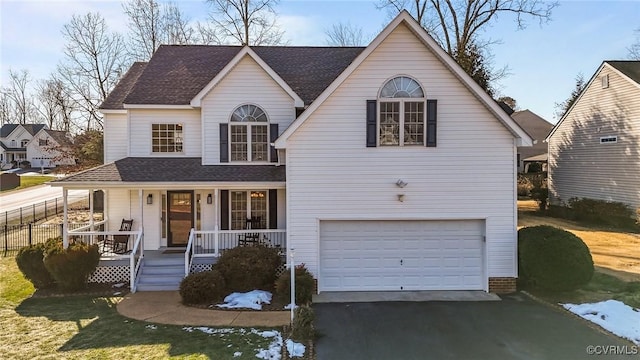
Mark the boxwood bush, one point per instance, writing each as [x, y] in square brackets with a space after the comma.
[304, 286]
[203, 287]
[249, 268]
[71, 267]
[30, 260]
[552, 259]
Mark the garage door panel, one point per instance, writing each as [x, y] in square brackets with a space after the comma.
[401, 255]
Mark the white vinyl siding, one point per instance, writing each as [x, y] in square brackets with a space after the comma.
[583, 167]
[115, 137]
[140, 133]
[246, 83]
[332, 175]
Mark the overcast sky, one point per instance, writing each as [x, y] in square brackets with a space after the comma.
[543, 61]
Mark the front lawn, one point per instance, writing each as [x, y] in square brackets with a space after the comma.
[83, 327]
[29, 181]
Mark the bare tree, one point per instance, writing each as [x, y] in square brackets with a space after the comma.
[55, 102]
[456, 23]
[247, 22]
[94, 59]
[7, 110]
[46, 99]
[344, 34]
[634, 49]
[20, 101]
[152, 24]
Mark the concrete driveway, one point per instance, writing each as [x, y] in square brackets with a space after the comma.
[515, 328]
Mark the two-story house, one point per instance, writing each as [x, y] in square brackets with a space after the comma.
[383, 167]
[14, 139]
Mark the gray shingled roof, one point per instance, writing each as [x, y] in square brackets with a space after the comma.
[6, 129]
[176, 73]
[124, 86]
[629, 68]
[59, 136]
[176, 170]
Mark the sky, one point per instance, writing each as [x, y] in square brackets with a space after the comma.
[542, 60]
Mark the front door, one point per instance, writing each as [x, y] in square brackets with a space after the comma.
[180, 213]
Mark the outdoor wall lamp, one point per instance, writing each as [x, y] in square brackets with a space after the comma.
[401, 197]
[209, 199]
[149, 199]
[400, 183]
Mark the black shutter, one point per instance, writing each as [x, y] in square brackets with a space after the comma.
[224, 209]
[273, 135]
[432, 115]
[224, 143]
[371, 123]
[273, 209]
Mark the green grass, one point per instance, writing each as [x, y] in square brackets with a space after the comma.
[82, 327]
[601, 287]
[29, 181]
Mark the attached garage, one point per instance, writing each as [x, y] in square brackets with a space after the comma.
[395, 255]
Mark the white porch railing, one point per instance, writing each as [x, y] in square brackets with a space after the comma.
[135, 261]
[207, 243]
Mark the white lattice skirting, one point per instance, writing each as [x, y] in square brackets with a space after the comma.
[110, 274]
[195, 268]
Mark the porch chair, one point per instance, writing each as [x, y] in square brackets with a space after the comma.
[119, 244]
[250, 239]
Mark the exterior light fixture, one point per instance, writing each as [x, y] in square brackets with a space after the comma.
[400, 183]
[149, 199]
[401, 197]
[209, 199]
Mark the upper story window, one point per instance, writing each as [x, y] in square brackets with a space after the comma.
[166, 138]
[13, 143]
[43, 142]
[24, 142]
[249, 132]
[401, 113]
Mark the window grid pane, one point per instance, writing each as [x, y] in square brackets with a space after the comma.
[259, 208]
[238, 210]
[239, 143]
[389, 123]
[259, 144]
[413, 123]
[166, 138]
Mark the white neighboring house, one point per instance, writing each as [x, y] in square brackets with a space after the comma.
[50, 148]
[14, 139]
[594, 150]
[383, 167]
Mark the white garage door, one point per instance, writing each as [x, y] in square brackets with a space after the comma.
[401, 255]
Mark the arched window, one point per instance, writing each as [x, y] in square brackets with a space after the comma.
[402, 106]
[249, 139]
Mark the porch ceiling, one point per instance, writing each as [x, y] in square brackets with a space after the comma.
[173, 170]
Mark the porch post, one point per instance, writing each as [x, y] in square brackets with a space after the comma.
[65, 219]
[216, 227]
[91, 228]
[141, 201]
[105, 208]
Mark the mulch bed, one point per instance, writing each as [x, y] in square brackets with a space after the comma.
[92, 289]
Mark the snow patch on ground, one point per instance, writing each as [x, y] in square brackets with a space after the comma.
[251, 300]
[613, 315]
[273, 352]
[151, 327]
[295, 349]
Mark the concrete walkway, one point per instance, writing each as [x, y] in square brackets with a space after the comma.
[164, 307]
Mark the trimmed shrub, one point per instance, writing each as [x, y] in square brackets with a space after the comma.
[203, 287]
[524, 186]
[541, 196]
[30, 260]
[304, 285]
[249, 268]
[552, 259]
[72, 267]
[603, 212]
[302, 326]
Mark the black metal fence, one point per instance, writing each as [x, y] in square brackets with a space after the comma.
[41, 211]
[14, 237]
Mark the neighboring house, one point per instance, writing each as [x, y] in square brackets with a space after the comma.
[383, 167]
[14, 139]
[538, 128]
[50, 148]
[594, 150]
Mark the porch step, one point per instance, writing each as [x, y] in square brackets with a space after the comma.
[162, 273]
